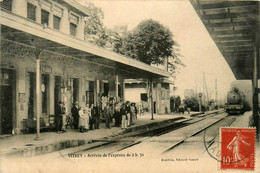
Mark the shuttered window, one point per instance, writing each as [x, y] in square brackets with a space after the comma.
[6, 4]
[73, 29]
[44, 17]
[31, 11]
[56, 22]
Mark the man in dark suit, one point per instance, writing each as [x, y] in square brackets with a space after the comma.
[91, 117]
[96, 116]
[107, 114]
[75, 114]
[59, 117]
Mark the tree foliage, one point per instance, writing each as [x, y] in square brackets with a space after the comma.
[174, 62]
[150, 42]
[191, 100]
[94, 28]
[177, 101]
[116, 38]
[189, 93]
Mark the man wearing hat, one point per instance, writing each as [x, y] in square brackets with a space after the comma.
[59, 117]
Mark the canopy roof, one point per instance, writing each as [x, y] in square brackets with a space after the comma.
[24, 31]
[234, 26]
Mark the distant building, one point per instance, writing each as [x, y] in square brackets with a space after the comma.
[137, 90]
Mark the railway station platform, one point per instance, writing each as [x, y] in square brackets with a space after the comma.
[26, 146]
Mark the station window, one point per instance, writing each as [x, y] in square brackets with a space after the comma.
[6, 4]
[119, 90]
[144, 97]
[163, 95]
[73, 29]
[106, 89]
[56, 22]
[31, 11]
[44, 17]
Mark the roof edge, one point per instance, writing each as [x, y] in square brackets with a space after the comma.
[78, 6]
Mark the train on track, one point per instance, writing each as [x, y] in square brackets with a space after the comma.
[235, 101]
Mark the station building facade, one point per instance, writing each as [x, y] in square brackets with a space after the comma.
[137, 90]
[43, 48]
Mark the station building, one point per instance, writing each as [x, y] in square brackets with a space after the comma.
[137, 90]
[45, 59]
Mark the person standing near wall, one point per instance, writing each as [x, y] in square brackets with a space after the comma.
[87, 117]
[107, 115]
[64, 110]
[91, 117]
[83, 119]
[128, 113]
[133, 113]
[96, 116]
[59, 117]
[75, 114]
[123, 113]
[117, 115]
[136, 111]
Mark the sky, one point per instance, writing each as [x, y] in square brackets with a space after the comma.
[200, 54]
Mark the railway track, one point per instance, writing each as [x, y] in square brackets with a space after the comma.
[142, 138]
[201, 141]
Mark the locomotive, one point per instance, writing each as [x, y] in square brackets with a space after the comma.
[235, 102]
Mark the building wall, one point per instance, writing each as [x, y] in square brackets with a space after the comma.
[161, 96]
[19, 7]
[23, 60]
[134, 94]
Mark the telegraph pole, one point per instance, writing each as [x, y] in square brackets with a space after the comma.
[151, 97]
[216, 89]
[200, 95]
[206, 96]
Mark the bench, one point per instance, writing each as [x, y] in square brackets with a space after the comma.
[30, 124]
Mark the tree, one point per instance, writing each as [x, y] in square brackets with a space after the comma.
[192, 102]
[116, 37]
[94, 29]
[189, 93]
[150, 42]
[191, 99]
[177, 102]
[174, 62]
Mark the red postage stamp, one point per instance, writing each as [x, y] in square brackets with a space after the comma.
[237, 148]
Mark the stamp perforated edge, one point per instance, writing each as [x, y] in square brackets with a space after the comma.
[219, 147]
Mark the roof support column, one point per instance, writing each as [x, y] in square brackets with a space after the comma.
[255, 79]
[151, 96]
[255, 82]
[122, 89]
[38, 97]
[116, 86]
[97, 93]
[255, 91]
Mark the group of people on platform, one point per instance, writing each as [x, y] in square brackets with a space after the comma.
[87, 117]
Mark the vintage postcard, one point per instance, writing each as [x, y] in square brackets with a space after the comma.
[129, 86]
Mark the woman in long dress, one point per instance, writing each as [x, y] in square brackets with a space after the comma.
[83, 119]
[87, 116]
[133, 113]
